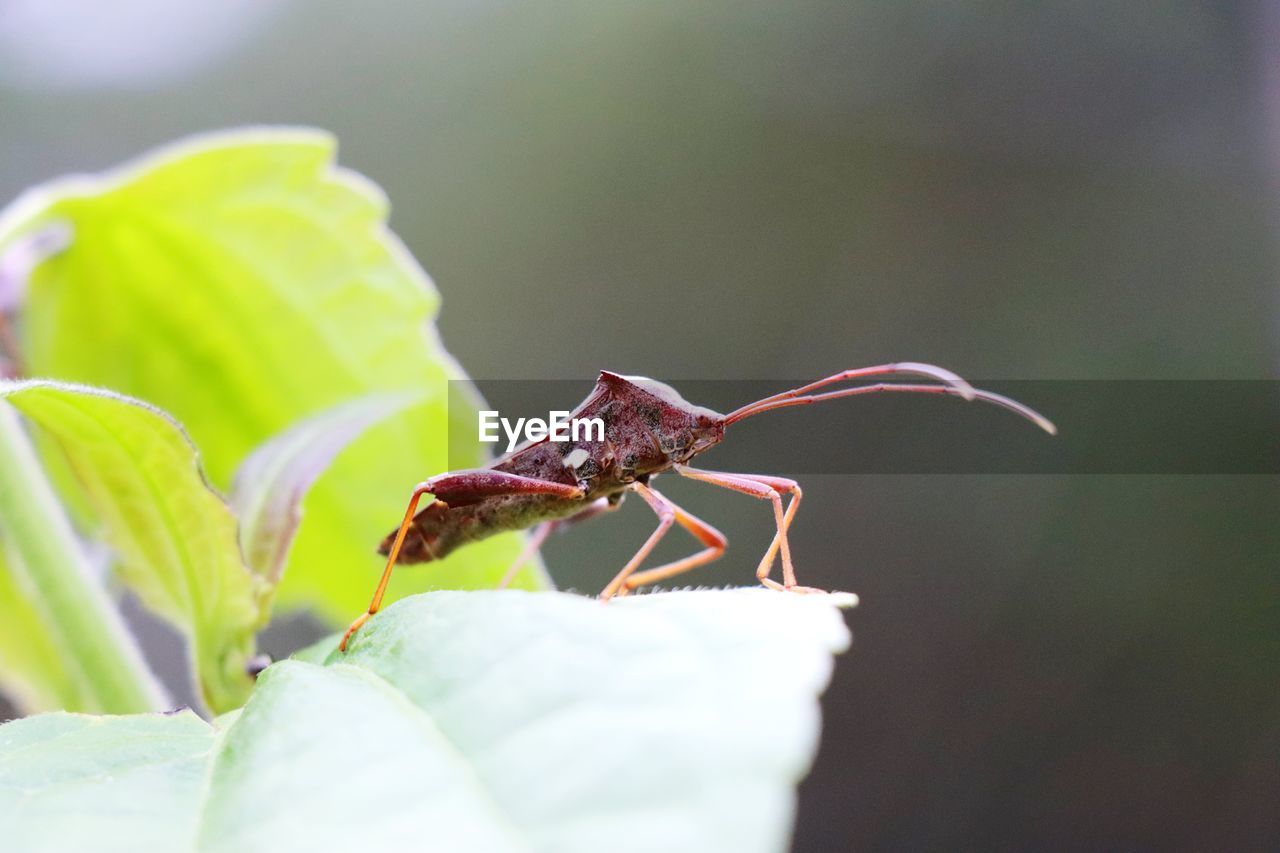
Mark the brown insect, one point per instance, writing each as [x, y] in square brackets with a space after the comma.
[648, 429]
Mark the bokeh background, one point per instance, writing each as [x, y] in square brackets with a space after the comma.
[744, 190]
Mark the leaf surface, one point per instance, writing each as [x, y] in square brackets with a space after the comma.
[271, 484]
[174, 536]
[497, 721]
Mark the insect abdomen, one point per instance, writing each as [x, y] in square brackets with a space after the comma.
[438, 530]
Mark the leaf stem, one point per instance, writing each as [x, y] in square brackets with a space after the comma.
[101, 652]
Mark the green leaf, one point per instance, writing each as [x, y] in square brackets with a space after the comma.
[496, 721]
[271, 484]
[175, 538]
[242, 282]
[75, 782]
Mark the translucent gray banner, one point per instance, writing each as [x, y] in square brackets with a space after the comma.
[1104, 427]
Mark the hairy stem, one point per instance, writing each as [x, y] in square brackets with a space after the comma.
[101, 654]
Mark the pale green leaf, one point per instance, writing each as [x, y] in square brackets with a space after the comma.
[271, 484]
[243, 282]
[72, 782]
[174, 537]
[495, 721]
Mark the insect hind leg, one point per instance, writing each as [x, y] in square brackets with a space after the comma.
[392, 554]
[457, 488]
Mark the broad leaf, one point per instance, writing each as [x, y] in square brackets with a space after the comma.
[76, 782]
[243, 282]
[271, 484]
[174, 537]
[496, 721]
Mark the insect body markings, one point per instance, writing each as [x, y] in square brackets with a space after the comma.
[646, 428]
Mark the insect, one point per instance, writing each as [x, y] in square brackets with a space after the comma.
[649, 428]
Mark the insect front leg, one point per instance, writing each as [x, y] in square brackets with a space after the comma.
[668, 513]
[771, 489]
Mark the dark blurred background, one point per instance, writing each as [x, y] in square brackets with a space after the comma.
[744, 190]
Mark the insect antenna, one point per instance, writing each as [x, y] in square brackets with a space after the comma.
[951, 385]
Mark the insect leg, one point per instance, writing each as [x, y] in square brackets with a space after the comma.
[710, 537]
[765, 488]
[791, 487]
[668, 513]
[545, 529]
[666, 518]
[459, 488]
[463, 488]
[418, 491]
[531, 546]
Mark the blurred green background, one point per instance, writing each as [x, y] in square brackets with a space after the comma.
[754, 191]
